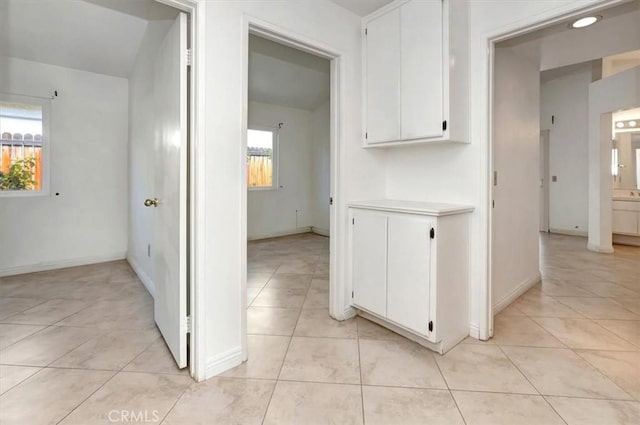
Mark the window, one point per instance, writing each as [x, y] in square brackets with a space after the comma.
[24, 145]
[262, 154]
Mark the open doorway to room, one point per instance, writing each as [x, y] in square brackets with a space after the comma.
[288, 191]
[94, 122]
[552, 285]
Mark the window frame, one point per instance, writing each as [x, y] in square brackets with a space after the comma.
[275, 185]
[45, 103]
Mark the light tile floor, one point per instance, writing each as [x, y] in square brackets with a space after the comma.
[79, 346]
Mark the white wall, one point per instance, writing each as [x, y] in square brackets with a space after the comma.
[141, 147]
[516, 150]
[567, 99]
[320, 167]
[87, 222]
[286, 210]
[449, 173]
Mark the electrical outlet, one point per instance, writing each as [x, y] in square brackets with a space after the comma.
[149, 250]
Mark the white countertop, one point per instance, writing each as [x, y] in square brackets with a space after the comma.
[414, 207]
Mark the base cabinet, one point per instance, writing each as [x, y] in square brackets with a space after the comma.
[409, 268]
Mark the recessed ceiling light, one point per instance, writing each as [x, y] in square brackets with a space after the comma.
[619, 124]
[585, 22]
[632, 123]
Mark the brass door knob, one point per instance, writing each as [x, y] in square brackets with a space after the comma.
[151, 202]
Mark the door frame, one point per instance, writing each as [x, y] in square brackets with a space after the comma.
[490, 39]
[196, 212]
[338, 306]
[545, 140]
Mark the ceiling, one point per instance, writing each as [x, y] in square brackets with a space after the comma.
[101, 36]
[563, 26]
[362, 7]
[281, 75]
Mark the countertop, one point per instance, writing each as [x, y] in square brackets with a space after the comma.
[414, 207]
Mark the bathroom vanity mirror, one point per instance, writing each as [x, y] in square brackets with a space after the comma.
[625, 160]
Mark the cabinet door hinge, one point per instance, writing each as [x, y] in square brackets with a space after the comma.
[366, 135]
[353, 221]
[187, 324]
[330, 200]
[432, 233]
[431, 326]
[365, 31]
[444, 126]
[352, 292]
[189, 57]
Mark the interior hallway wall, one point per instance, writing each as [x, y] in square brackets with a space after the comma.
[516, 152]
[87, 221]
[141, 147]
[567, 100]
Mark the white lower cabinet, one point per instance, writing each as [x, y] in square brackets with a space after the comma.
[409, 268]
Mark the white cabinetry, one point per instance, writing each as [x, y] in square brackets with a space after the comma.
[626, 222]
[410, 268]
[415, 73]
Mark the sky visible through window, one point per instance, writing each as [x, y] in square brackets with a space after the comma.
[260, 139]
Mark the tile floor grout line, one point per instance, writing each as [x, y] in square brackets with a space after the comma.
[87, 398]
[518, 369]
[364, 420]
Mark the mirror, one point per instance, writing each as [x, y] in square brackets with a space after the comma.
[625, 164]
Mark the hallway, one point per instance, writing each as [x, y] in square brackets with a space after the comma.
[80, 344]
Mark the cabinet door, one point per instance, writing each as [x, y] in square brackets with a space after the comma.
[369, 242]
[383, 78]
[408, 281]
[625, 222]
[421, 52]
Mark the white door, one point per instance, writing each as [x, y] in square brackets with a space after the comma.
[408, 281]
[170, 95]
[369, 248]
[383, 78]
[421, 67]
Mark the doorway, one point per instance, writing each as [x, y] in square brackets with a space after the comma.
[290, 220]
[556, 164]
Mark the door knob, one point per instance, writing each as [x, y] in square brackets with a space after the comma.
[151, 202]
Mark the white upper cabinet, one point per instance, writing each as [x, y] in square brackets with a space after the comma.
[383, 88]
[415, 73]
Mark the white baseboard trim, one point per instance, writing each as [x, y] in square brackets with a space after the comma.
[290, 232]
[319, 231]
[145, 278]
[516, 292]
[223, 362]
[569, 232]
[61, 264]
[598, 248]
[474, 331]
[626, 240]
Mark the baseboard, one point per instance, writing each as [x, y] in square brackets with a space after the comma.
[319, 231]
[626, 240]
[223, 362]
[146, 280]
[515, 293]
[569, 232]
[598, 248]
[474, 331]
[62, 264]
[290, 232]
